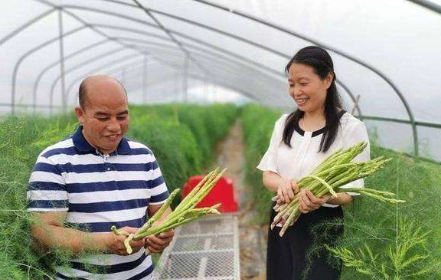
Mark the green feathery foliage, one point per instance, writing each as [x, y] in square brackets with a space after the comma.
[370, 226]
[181, 148]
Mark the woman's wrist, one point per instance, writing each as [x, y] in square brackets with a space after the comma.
[341, 199]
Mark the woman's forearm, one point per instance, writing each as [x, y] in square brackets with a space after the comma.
[341, 199]
[271, 180]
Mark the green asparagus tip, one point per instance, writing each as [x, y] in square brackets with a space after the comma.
[214, 211]
[119, 232]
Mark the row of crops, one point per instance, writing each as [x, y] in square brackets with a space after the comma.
[381, 241]
[181, 136]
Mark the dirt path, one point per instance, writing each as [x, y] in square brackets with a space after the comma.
[252, 245]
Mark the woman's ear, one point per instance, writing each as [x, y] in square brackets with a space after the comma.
[329, 79]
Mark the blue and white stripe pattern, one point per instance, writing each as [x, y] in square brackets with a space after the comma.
[97, 192]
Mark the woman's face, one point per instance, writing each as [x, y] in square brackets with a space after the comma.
[307, 89]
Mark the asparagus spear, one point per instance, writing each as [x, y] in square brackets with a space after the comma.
[327, 178]
[184, 213]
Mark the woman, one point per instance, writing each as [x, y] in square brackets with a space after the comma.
[301, 141]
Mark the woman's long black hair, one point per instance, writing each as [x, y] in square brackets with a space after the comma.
[321, 63]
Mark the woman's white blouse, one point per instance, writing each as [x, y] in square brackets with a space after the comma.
[303, 156]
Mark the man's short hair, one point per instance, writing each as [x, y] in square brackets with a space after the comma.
[82, 92]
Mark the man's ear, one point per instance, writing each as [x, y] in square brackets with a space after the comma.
[80, 114]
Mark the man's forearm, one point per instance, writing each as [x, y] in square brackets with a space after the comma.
[75, 241]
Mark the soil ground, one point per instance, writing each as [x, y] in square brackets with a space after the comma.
[252, 237]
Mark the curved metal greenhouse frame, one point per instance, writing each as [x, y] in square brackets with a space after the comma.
[181, 53]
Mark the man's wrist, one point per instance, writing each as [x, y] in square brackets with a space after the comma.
[99, 242]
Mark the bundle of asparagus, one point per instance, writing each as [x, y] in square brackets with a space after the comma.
[184, 213]
[328, 178]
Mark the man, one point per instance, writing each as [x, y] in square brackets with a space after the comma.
[97, 178]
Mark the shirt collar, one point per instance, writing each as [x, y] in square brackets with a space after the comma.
[83, 146]
[317, 132]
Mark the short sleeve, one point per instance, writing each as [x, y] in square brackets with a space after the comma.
[158, 188]
[269, 159]
[47, 187]
[356, 134]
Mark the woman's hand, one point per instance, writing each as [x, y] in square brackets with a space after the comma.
[287, 190]
[309, 202]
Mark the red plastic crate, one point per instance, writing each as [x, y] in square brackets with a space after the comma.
[222, 192]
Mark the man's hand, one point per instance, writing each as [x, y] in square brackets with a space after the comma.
[308, 202]
[157, 243]
[115, 244]
[287, 190]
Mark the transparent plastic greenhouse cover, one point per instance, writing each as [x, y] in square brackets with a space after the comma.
[386, 55]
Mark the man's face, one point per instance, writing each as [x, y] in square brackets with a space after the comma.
[105, 116]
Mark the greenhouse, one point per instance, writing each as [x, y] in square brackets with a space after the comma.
[220, 96]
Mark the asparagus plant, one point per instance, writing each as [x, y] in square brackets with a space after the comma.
[184, 213]
[329, 177]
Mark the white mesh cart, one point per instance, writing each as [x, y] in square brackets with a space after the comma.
[205, 249]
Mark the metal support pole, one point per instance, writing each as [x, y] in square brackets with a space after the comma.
[358, 61]
[185, 80]
[144, 80]
[61, 41]
[13, 34]
[428, 5]
[205, 90]
[177, 83]
[357, 100]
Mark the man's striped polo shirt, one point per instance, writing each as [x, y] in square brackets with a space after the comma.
[97, 192]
